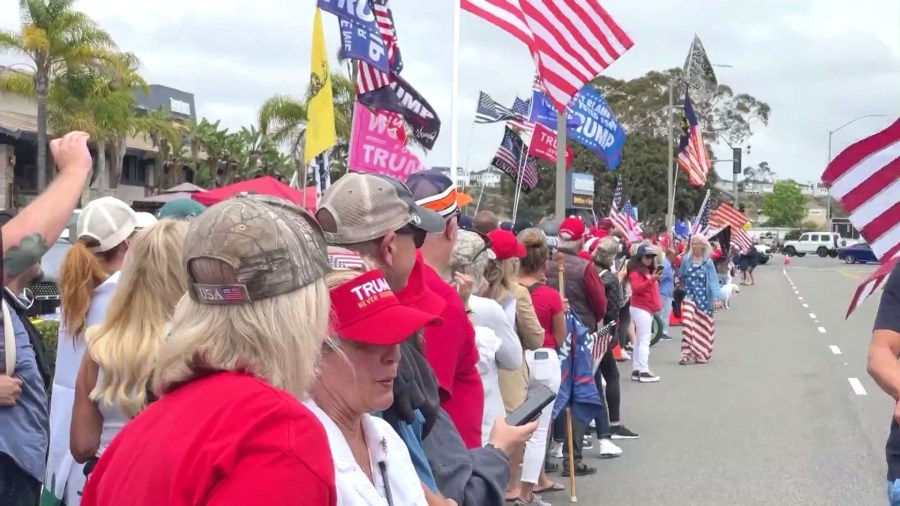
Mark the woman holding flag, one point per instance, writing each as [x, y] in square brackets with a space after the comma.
[702, 296]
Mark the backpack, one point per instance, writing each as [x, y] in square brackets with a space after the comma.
[34, 337]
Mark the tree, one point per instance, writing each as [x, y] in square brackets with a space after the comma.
[785, 206]
[55, 38]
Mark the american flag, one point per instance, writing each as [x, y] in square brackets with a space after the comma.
[864, 178]
[617, 197]
[725, 215]
[571, 42]
[235, 292]
[701, 224]
[490, 111]
[692, 155]
[344, 259]
[626, 220]
[510, 157]
[369, 78]
[698, 331]
[523, 109]
[602, 339]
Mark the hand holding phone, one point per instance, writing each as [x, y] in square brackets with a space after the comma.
[531, 409]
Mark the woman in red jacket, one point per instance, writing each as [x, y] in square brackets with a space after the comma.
[645, 302]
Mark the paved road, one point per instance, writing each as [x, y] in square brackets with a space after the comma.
[773, 419]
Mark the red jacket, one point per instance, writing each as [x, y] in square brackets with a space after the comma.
[644, 292]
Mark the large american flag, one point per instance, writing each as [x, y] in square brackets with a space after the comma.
[698, 332]
[490, 111]
[571, 42]
[726, 215]
[523, 109]
[701, 223]
[369, 78]
[601, 341]
[864, 177]
[512, 156]
[692, 155]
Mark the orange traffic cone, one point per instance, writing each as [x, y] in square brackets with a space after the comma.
[617, 351]
[787, 260]
[674, 320]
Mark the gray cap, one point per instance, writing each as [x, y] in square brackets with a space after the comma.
[364, 207]
[273, 245]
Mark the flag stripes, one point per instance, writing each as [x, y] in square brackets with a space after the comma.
[369, 78]
[698, 332]
[625, 220]
[872, 283]
[602, 340]
[523, 109]
[570, 41]
[740, 239]
[725, 214]
[693, 157]
[491, 111]
[864, 177]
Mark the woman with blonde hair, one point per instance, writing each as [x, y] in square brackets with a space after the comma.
[89, 275]
[229, 426]
[702, 296]
[112, 385]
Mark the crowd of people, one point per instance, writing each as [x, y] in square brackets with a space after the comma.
[252, 353]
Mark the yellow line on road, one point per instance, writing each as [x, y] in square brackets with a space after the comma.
[855, 276]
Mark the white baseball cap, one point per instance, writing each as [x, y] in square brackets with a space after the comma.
[144, 220]
[108, 222]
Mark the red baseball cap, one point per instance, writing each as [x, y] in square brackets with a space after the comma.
[366, 310]
[572, 229]
[505, 245]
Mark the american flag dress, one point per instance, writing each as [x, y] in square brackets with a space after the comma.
[698, 326]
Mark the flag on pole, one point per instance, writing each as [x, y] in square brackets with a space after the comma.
[512, 155]
[323, 173]
[320, 130]
[726, 214]
[523, 109]
[698, 72]
[368, 77]
[692, 155]
[577, 390]
[864, 179]
[617, 197]
[627, 222]
[571, 42]
[490, 111]
[701, 223]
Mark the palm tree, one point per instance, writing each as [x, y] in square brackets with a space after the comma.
[55, 38]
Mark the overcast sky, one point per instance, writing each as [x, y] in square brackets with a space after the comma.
[818, 63]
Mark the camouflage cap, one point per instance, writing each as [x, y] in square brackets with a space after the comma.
[274, 247]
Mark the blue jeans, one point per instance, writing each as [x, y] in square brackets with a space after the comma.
[894, 493]
[665, 312]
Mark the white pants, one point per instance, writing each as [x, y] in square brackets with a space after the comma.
[643, 329]
[544, 372]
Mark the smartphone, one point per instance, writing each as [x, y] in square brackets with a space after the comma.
[531, 409]
[541, 355]
[659, 269]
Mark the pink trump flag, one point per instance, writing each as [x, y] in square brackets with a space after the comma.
[379, 145]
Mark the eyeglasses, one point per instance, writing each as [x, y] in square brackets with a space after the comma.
[417, 234]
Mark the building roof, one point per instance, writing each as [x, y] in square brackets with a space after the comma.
[16, 124]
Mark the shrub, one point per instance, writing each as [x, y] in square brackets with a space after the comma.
[49, 330]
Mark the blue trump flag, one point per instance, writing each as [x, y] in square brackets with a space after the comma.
[589, 120]
[577, 388]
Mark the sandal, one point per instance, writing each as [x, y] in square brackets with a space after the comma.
[581, 469]
[550, 467]
[686, 361]
[554, 487]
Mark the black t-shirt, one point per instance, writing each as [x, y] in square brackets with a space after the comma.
[889, 319]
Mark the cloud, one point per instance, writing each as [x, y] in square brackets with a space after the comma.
[816, 62]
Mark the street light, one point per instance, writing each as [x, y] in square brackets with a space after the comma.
[830, 134]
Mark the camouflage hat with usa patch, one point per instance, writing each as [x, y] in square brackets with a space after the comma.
[273, 245]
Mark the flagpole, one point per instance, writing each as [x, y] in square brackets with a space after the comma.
[469, 154]
[670, 173]
[354, 74]
[702, 207]
[559, 211]
[454, 94]
[519, 179]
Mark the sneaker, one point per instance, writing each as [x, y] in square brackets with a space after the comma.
[635, 376]
[625, 356]
[556, 450]
[608, 449]
[666, 337]
[622, 432]
[648, 377]
[586, 443]
[536, 500]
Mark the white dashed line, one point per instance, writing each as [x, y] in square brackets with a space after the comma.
[821, 330]
[799, 298]
[835, 350]
[812, 315]
[806, 306]
[857, 387]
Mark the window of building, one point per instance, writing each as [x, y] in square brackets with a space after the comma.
[133, 171]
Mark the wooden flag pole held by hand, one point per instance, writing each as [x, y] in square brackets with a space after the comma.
[561, 269]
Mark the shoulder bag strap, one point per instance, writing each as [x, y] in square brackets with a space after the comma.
[9, 339]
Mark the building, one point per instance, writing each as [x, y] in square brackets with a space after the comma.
[757, 187]
[489, 178]
[18, 148]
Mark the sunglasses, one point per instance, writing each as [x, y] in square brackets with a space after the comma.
[417, 234]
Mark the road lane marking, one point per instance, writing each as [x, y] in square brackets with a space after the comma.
[835, 350]
[806, 306]
[812, 315]
[821, 330]
[799, 298]
[857, 387]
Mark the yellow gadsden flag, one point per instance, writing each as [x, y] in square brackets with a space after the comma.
[320, 133]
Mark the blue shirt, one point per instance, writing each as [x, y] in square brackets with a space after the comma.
[411, 434]
[25, 426]
[667, 282]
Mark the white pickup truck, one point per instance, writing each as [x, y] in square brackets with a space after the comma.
[821, 243]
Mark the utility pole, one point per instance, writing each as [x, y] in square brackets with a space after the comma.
[559, 212]
[670, 172]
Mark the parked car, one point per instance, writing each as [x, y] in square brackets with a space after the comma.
[854, 253]
[763, 253]
[821, 243]
[46, 292]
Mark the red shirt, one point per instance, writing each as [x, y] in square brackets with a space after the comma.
[450, 349]
[547, 304]
[227, 439]
[644, 292]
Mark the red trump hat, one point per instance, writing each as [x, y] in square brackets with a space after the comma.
[572, 229]
[505, 245]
